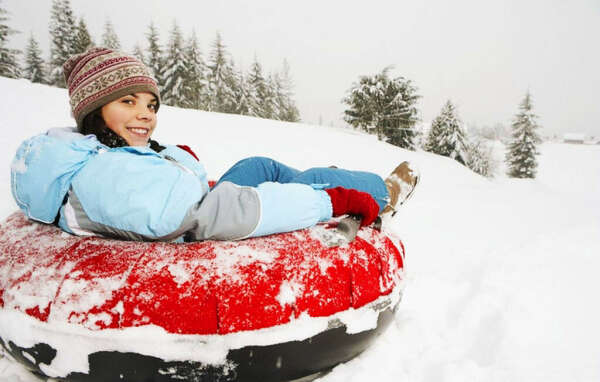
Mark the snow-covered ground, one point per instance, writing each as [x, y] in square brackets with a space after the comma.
[502, 273]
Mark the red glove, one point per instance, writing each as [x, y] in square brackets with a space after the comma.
[187, 148]
[350, 201]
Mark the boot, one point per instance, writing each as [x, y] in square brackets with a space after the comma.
[400, 185]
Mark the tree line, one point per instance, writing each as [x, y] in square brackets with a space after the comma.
[379, 104]
[185, 78]
[386, 106]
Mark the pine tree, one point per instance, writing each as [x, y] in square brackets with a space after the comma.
[62, 36]
[272, 105]
[384, 106]
[109, 37]
[235, 88]
[9, 66]
[155, 60]
[277, 97]
[138, 53]
[195, 89]
[399, 125]
[480, 158]
[523, 147]
[222, 80]
[260, 99]
[83, 39]
[446, 136]
[288, 110]
[34, 64]
[242, 95]
[176, 69]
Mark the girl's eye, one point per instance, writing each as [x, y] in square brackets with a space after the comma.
[152, 107]
[128, 101]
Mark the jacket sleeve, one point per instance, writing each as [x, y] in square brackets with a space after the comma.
[136, 197]
[290, 206]
[232, 212]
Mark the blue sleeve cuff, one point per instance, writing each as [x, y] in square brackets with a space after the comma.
[290, 206]
[325, 206]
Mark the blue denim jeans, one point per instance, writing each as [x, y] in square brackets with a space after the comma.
[256, 170]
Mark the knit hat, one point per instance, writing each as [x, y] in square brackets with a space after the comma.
[102, 75]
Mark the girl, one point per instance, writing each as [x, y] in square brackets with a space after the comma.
[108, 178]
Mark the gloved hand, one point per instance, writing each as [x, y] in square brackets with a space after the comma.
[350, 201]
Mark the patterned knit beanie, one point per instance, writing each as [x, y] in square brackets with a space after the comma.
[102, 75]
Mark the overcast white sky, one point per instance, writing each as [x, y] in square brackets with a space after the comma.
[483, 55]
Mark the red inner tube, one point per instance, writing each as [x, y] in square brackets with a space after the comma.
[211, 287]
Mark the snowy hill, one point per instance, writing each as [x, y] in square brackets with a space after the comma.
[502, 273]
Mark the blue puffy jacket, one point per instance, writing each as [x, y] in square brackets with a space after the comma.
[138, 194]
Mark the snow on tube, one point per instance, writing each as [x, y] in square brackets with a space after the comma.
[278, 308]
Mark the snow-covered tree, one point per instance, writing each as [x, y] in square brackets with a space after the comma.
[138, 53]
[522, 149]
[242, 95]
[9, 66]
[222, 81]
[446, 136]
[384, 106]
[62, 38]
[480, 158]
[277, 98]
[176, 68]
[109, 37]
[155, 60]
[260, 102]
[83, 39]
[195, 87]
[34, 64]
[287, 108]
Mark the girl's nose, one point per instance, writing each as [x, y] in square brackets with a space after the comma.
[144, 113]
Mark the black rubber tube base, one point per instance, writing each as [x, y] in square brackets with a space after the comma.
[294, 361]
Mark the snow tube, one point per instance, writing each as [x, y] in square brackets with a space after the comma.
[280, 308]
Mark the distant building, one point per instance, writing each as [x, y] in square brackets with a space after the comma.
[574, 138]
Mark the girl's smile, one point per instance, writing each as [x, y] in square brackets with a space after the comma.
[132, 117]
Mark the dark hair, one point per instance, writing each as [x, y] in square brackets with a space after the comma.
[93, 123]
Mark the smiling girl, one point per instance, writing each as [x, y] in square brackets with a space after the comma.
[108, 177]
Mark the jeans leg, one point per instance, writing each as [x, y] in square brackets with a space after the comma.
[358, 180]
[256, 170]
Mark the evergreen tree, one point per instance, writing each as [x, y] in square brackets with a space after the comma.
[62, 36]
[384, 106]
[446, 136]
[233, 83]
[242, 95]
[479, 158]
[109, 37]
[287, 108]
[176, 70]
[277, 97]
[9, 66]
[272, 104]
[195, 89]
[155, 60]
[138, 53]
[523, 147]
[83, 39]
[34, 64]
[399, 126]
[260, 95]
[222, 82]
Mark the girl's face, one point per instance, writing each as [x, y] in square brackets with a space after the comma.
[132, 117]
